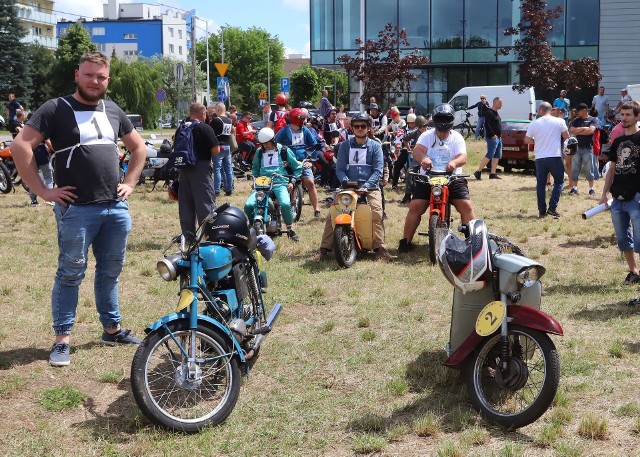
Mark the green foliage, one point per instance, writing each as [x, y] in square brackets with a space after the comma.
[75, 42]
[61, 398]
[304, 85]
[246, 53]
[41, 62]
[14, 74]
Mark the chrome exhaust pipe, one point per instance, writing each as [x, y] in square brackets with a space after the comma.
[271, 319]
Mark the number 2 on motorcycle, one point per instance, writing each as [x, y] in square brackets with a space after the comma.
[490, 318]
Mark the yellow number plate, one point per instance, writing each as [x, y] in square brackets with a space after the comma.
[490, 318]
[442, 180]
[186, 297]
[263, 181]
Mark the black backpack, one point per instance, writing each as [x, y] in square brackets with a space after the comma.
[184, 154]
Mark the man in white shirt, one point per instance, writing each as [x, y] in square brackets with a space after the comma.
[440, 150]
[548, 133]
[600, 103]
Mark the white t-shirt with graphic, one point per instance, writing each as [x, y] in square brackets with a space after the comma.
[441, 152]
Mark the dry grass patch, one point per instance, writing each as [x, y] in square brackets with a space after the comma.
[593, 427]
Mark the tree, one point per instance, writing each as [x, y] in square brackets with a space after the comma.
[14, 67]
[384, 69]
[337, 81]
[246, 53]
[41, 62]
[304, 85]
[75, 42]
[538, 67]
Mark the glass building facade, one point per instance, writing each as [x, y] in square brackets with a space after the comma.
[460, 37]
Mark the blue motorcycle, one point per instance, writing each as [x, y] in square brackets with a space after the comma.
[186, 374]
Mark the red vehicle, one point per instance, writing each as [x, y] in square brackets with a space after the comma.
[515, 152]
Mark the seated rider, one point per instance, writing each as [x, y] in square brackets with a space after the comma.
[441, 150]
[267, 162]
[299, 139]
[360, 160]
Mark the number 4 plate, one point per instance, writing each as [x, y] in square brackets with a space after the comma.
[490, 318]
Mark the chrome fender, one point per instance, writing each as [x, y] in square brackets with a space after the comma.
[206, 320]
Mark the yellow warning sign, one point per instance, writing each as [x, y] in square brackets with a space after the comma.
[222, 68]
[262, 94]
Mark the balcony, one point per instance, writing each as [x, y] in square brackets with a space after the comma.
[47, 42]
[29, 14]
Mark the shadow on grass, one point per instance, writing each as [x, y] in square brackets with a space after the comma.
[634, 348]
[580, 289]
[23, 356]
[442, 394]
[592, 243]
[606, 312]
[144, 245]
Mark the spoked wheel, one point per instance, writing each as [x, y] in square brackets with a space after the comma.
[297, 199]
[344, 246]
[182, 395]
[521, 393]
[5, 179]
[435, 222]
[464, 130]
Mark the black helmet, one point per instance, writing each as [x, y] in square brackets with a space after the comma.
[420, 121]
[361, 117]
[231, 226]
[443, 116]
[571, 146]
[165, 150]
[466, 263]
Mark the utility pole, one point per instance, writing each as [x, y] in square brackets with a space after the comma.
[193, 59]
[208, 83]
[268, 73]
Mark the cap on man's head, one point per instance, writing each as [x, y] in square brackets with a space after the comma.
[624, 89]
[374, 106]
[582, 106]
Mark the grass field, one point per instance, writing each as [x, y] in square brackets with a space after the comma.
[354, 363]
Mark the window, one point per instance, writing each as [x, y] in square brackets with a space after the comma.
[130, 53]
[102, 47]
[171, 49]
[37, 31]
[447, 23]
[508, 16]
[130, 36]
[583, 22]
[347, 24]
[180, 50]
[322, 27]
[378, 13]
[556, 35]
[414, 18]
[460, 102]
[97, 31]
[481, 23]
[180, 33]
[171, 32]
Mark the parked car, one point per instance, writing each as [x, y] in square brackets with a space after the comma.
[136, 120]
[258, 124]
[515, 152]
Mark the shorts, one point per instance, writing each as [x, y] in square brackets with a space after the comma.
[494, 148]
[458, 190]
[307, 173]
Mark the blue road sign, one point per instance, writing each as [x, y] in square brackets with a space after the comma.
[222, 82]
[222, 95]
[160, 95]
[284, 84]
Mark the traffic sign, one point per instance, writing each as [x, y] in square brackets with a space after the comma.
[284, 84]
[222, 82]
[178, 71]
[222, 95]
[262, 94]
[160, 95]
[222, 68]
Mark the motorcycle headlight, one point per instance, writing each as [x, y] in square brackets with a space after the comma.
[528, 276]
[436, 191]
[168, 267]
[260, 196]
[345, 199]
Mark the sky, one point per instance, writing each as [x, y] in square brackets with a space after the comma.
[288, 19]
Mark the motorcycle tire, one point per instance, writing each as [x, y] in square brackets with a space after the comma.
[6, 185]
[259, 227]
[344, 246]
[435, 222]
[160, 384]
[297, 200]
[524, 393]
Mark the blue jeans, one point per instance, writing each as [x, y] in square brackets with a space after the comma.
[222, 170]
[625, 217]
[544, 166]
[478, 127]
[104, 226]
[282, 194]
[494, 148]
[46, 173]
[580, 158]
[594, 166]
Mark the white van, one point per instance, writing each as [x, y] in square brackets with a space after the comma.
[514, 105]
[633, 90]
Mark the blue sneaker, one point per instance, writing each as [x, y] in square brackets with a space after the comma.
[124, 336]
[60, 355]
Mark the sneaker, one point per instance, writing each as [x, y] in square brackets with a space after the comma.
[592, 191]
[553, 213]
[50, 203]
[573, 191]
[631, 278]
[60, 355]
[542, 215]
[477, 174]
[34, 203]
[383, 254]
[293, 235]
[228, 193]
[321, 254]
[494, 176]
[404, 246]
[316, 213]
[124, 336]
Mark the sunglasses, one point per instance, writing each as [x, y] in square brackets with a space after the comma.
[359, 126]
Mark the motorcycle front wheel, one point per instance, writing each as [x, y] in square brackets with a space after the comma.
[178, 394]
[435, 222]
[521, 393]
[344, 246]
[297, 199]
[5, 179]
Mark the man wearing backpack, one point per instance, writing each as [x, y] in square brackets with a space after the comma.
[222, 168]
[278, 118]
[196, 196]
